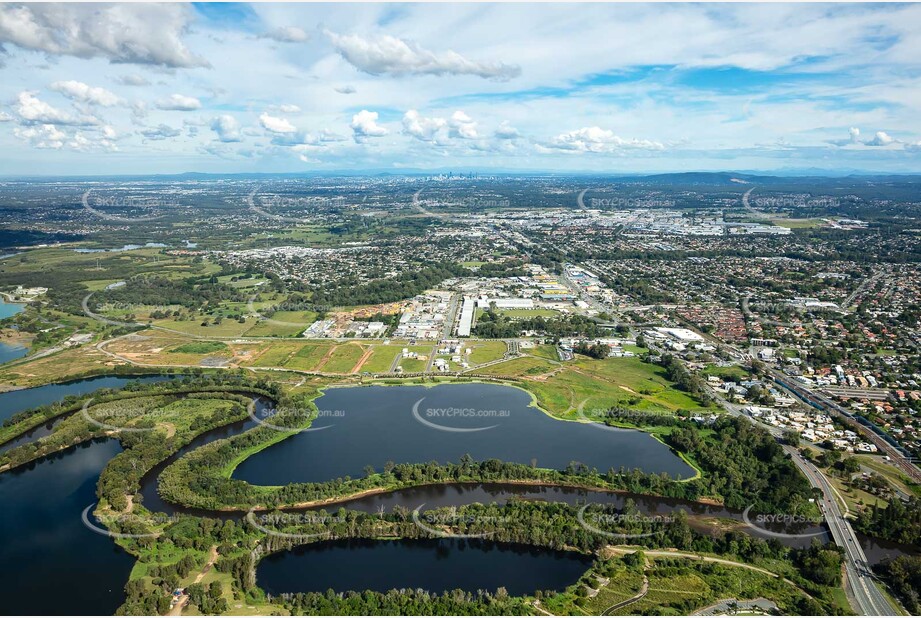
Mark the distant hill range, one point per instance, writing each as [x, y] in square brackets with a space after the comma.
[735, 179]
[788, 180]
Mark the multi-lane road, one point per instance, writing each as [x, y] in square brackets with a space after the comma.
[897, 458]
[861, 587]
[865, 593]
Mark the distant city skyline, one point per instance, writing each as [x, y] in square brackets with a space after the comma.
[630, 88]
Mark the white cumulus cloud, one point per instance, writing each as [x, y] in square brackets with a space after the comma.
[596, 139]
[275, 124]
[31, 109]
[42, 136]
[179, 103]
[421, 128]
[388, 55]
[462, 126]
[227, 128]
[126, 32]
[881, 139]
[364, 124]
[78, 91]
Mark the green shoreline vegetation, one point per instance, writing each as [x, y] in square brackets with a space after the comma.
[203, 479]
[180, 546]
[803, 580]
[74, 428]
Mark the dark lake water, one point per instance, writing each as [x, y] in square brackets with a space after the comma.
[434, 565]
[8, 351]
[14, 402]
[373, 425]
[61, 567]
[52, 564]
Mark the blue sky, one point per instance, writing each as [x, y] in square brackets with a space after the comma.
[165, 88]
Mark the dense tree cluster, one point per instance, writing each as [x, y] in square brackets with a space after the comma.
[745, 466]
[352, 290]
[819, 563]
[904, 575]
[900, 521]
[594, 350]
[153, 290]
[507, 268]
[679, 374]
[143, 450]
[404, 603]
[209, 601]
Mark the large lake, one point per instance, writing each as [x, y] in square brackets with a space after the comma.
[63, 568]
[436, 565]
[52, 563]
[414, 424]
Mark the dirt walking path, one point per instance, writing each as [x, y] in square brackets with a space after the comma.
[176, 610]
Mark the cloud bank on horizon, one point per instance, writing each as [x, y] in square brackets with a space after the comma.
[162, 88]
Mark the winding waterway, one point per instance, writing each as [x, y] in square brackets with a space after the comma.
[64, 568]
[14, 402]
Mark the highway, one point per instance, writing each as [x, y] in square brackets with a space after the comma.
[863, 590]
[809, 396]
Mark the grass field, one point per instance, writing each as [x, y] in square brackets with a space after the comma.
[282, 324]
[520, 367]
[523, 313]
[621, 585]
[544, 351]
[382, 357]
[734, 372]
[624, 382]
[343, 358]
[200, 347]
[485, 351]
[227, 328]
[275, 355]
[307, 356]
[797, 224]
[412, 365]
[54, 368]
[890, 473]
[683, 590]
